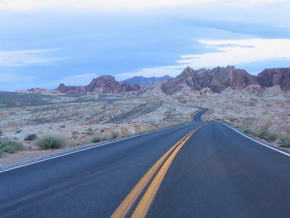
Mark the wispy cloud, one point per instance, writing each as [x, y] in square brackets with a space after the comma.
[27, 57]
[115, 5]
[100, 5]
[137, 37]
[228, 52]
[242, 51]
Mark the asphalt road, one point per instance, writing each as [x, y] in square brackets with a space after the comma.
[203, 169]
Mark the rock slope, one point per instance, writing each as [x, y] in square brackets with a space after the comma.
[275, 76]
[220, 78]
[216, 79]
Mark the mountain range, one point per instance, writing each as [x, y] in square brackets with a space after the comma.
[220, 78]
[216, 79]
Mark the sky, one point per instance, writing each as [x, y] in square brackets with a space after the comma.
[47, 42]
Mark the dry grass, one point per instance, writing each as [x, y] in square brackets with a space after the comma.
[10, 147]
[51, 142]
[285, 141]
[97, 139]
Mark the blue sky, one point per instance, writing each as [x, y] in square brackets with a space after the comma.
[43, 43]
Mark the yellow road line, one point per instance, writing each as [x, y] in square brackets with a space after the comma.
[147, 199]
[128, 202]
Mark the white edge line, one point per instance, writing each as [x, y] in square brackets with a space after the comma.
[261, 143]
[84, 149]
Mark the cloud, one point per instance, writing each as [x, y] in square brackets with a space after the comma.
[118, 5]
[233, 45]
[249, 50]
[100, 5]
[26, 57]
[245, 52]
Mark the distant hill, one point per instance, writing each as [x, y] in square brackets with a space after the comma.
[14, 99]
[102, 84]
[145, 81]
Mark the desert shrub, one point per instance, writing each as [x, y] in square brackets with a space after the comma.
[30, 137]
[114, 135]
[285, 141]
[97, 139]
[89, 131]
[267, 136]
[75, 133]
[7, 146]
[62, 126]
[263, 134]
[1, 132]
[18, 131]
[51, 142]
[251, 132]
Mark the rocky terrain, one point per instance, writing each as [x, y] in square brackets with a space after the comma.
[220, 78]
[81, 120]
[260, 103]
[252, 107]
[108, 109]
[216, 79]
[274, 77]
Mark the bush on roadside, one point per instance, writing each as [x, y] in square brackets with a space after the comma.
[255, 133]
[263, 134]
[270, 137]
[285, 141]
[97, 139]
[50, 142]
[114, 135]
[7, 146]
[250, 131]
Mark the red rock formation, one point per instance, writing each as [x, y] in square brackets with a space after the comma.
[216, 79]
[71, 89]
[103, 84]
[275, 76]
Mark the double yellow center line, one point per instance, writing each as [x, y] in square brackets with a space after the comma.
[162, 165]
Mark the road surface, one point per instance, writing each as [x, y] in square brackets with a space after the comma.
[203, 169]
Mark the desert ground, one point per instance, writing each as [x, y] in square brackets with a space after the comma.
[81, 120]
